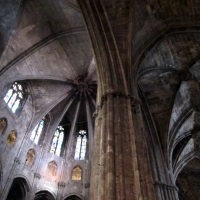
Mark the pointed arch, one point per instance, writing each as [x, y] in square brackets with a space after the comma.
[73, 197]
[16, 97]
[30, 157]
[81, 145]
[3, 125]
[12, 137]
[19, 189]
[52, 168]
[44, 195]
[37, 131]
[77, 173]
[57, 141]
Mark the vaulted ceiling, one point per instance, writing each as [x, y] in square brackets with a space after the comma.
[50, 49]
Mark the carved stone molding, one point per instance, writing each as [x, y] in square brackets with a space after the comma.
[171, 187]
[61, 184]
[95, 114]
[17, 160]
[37, 175]
[134, 101]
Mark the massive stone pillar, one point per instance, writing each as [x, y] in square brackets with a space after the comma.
[123, 166]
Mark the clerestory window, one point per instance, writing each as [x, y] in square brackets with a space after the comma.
[37, 131]
[57, 141]
[81, 145]
[15, 97]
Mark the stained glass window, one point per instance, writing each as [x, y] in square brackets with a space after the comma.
[15, 96]
[81, 145]
[37, 131]
[57, 141]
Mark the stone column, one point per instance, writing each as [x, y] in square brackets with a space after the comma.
[115, 171]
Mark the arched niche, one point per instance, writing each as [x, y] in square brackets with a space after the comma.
[3, 125]
[44, 195]
[12, 137]
[77, 173]
[18, 190]
[52, 168]
[30, 157]
[188, 180]
[73, 197]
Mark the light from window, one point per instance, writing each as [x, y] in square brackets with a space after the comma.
[77, 173]
[37, 131]
[12, 138]
[57, 141]
[52, 168]
[30, 157]
[81, 146]
[14, 96]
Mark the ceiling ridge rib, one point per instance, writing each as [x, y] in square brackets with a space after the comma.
[38, 77]
[38, 46]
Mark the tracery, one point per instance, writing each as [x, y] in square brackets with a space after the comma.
[57, 141]
[15, 97]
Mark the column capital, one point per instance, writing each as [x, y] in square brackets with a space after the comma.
[17, 160]
[61, 184]
[161, 184]
[37, 175]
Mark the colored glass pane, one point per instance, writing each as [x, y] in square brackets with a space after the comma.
[35, 135]
[81, 145]
[14, 96]
[57, 141]
[8, 95]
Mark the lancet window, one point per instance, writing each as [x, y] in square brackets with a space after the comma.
[77, 173]
[81, 145]
[12, 138]
[15, 97]
[57, 141]
[37, 131]
[52, 168]
[30, 157]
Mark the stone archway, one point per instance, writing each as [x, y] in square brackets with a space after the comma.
[18, 189]
[188, 181]
[73, 197]
[44, 195]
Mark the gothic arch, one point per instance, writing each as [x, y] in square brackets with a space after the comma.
[44, 195]
[18, 189]
[30, 157]
[11, 139]
[52, 168]
[188, 180]
[183, 162]
[77, 173]
[73, 197]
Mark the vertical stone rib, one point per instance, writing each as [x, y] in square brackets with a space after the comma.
[119, 149]
[102, 139]
[95, 190]
[110, 160]
[90, 126]
[72, 128]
